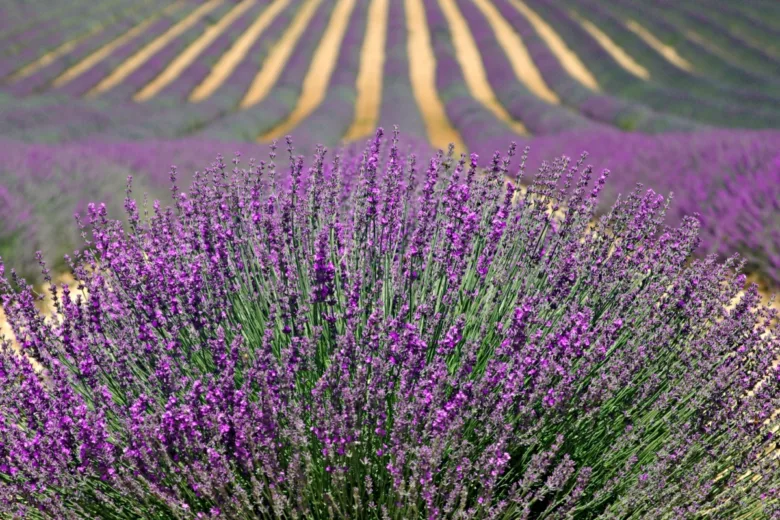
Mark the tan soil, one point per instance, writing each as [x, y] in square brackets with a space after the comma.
[613, 49]
[467, 54]
[668, 52]
[278, 55]
[45, 307]
[323, 63]
[715, 49]
[68, 46]
[516, 52]
[422, 73]
[49, 57]
[139, 58]
[230, 60]
[568, 58]
[102, 53]
[369, 80]
[191, 53]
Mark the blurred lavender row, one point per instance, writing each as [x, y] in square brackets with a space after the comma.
[730, 178]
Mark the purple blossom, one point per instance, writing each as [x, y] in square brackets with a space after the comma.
[278, 343]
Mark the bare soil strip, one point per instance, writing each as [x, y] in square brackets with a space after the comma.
[422, 73]
[102, 53]
[714, 48]
[191, 53]
[568, 58]
[613, 49]
[516, 52]
[668, 52]
[279, 54]
[470, 60]
[68, 46]
[369, 80]
[51, 56]
[323, 63]
[142, 56]
[235, 55]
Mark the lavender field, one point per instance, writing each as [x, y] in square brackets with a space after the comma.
[528, 302]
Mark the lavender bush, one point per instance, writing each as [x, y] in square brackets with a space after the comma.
[447, 348]
[40, 188]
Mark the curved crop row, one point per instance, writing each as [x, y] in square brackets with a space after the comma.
[78, 23]
[758, 9]
[348, 16]
[231, 20]
[398, 102]
[479, 127]
[539, 116]
[227, 82]
[607, 109]
[757, 31]
[87, 79]
[244, 46]
[368, 83]
[463, 48]
[192, 73]
[670, 98]
[329, 121]
[422, 73]
[47, 73]
[661, 70]
[167, 116]
[25, 16]
[706, 62]
[278, 98]
[143, 66]
[675, 101]
[754, 58]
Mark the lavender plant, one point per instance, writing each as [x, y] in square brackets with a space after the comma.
[429, 343]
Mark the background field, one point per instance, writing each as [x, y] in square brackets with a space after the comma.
[680, 96]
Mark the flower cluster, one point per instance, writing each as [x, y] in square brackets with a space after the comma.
[386, 337]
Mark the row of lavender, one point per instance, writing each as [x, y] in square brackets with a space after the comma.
[728, 177]
[170, 117]
[731, 179]
[752, 104]
[673, 100]
[48, 29]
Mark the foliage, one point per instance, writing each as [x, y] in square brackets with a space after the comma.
[425, 343]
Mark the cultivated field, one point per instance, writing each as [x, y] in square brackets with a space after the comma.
[597, 308]
[683, 98]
